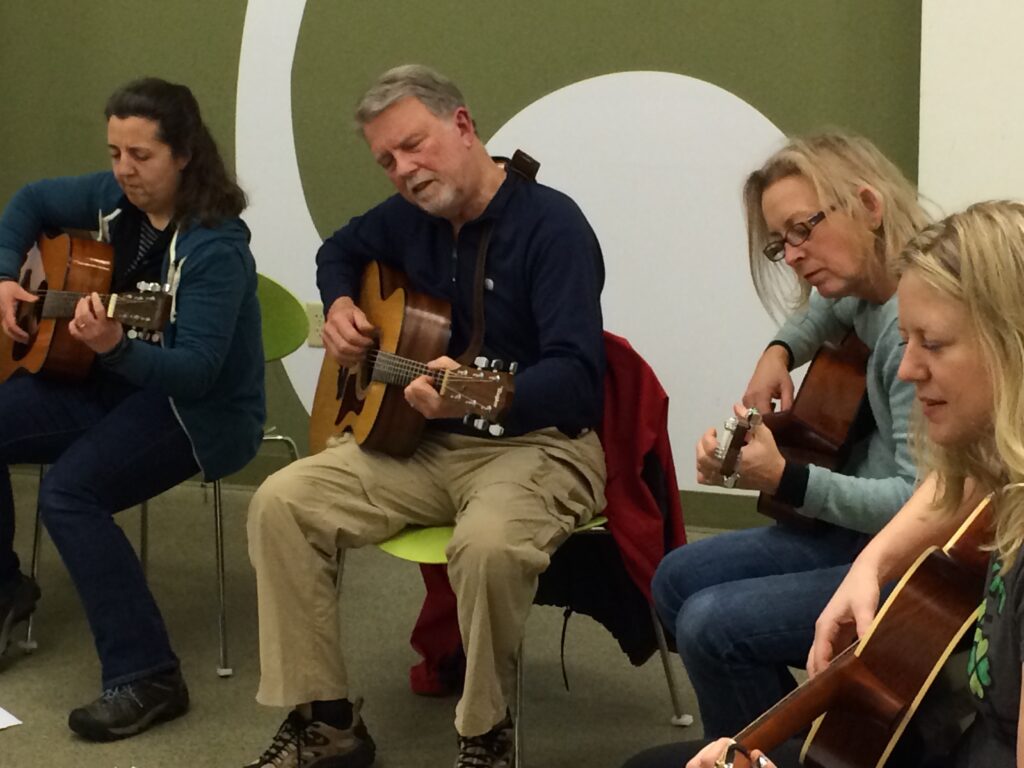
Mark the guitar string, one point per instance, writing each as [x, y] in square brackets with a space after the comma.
[59, 294]
[389, 364]
[65, 297]
[385, 361]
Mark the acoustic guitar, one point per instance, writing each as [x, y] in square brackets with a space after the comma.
[863, 702]
[60, 271]
[826, 419]
[411, 329]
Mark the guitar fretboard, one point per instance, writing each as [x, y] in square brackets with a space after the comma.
[58, 304]
[390, 368]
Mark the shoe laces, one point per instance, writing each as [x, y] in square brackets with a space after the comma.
[482, 751]
[111, 695]
[288, 737]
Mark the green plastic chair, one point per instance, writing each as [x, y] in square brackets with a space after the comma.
[426, 545]
[285, 327]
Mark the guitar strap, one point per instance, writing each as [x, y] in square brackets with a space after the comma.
[525, 166]
[477, 339]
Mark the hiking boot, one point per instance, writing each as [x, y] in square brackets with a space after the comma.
[17, 603]
[302, 743]
[126, 710]
[494, 749]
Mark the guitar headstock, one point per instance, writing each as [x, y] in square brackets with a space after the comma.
[483, 392]
[147, 309]
[734, 435]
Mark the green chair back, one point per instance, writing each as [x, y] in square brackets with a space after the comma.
[285, 326]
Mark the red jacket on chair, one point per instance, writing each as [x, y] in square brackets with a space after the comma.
[644, 512]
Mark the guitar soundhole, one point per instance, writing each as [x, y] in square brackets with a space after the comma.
[28, 316]
[363, 372]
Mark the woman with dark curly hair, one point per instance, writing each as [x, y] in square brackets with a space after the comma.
[149, 413]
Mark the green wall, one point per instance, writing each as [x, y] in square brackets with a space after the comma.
[803, 63]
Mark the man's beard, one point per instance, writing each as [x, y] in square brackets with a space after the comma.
[439, 198]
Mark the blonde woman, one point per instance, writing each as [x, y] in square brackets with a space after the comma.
[962, 322]
[831, 210]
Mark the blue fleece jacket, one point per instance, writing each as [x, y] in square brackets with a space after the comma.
[210, 362]
[542, 308]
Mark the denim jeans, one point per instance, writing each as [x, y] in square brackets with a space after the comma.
[742, 607]
[111, 446]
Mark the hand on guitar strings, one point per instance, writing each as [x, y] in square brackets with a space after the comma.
[760, 463]
[727, 753]
[10, 294]
[92, 327]
[847, 616]
[770, 381]
[347, 334]
[422, 394]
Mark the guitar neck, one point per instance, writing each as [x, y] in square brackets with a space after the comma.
[390, 368]
[797, 710]
[61, 304]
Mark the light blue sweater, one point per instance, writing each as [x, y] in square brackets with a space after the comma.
[879, 476]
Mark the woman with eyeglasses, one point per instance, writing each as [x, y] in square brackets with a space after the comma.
[742, 605]
[962, 322]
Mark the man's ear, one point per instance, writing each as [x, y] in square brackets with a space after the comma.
[465, 124]
[873, 204]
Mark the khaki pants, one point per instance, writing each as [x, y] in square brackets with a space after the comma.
[513, 501]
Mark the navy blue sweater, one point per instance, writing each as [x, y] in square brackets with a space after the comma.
[543, 310]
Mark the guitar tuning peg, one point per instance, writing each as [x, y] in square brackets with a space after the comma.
[497, 365]
[496, 430]
[142, 285]
[513, 367]
[481, 362]
[480, 424]
[468, 419]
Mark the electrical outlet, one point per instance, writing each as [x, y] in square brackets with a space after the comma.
[315, 316]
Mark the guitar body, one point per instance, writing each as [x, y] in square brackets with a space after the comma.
[870, 692]
[411, 325]
[59, 264]
[821, 425]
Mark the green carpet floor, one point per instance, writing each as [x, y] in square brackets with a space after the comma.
[612, 710]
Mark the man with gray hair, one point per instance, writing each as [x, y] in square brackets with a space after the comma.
[513, 499]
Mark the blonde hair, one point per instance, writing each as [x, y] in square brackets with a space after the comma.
[838, 166]
[976, 257]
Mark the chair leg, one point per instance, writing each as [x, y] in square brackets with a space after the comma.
[292, 447]
[29, 644]
[679, 717]
[517, 724]
[223, 669]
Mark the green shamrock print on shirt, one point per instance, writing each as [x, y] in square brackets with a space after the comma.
[978, 667]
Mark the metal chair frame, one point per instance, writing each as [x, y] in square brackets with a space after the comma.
[281, 347]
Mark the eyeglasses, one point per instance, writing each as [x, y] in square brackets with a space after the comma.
[795, 234]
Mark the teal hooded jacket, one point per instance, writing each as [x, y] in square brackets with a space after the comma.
[210, 359]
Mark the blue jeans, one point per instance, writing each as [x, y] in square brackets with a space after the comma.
[742, 607]
[111, 446]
